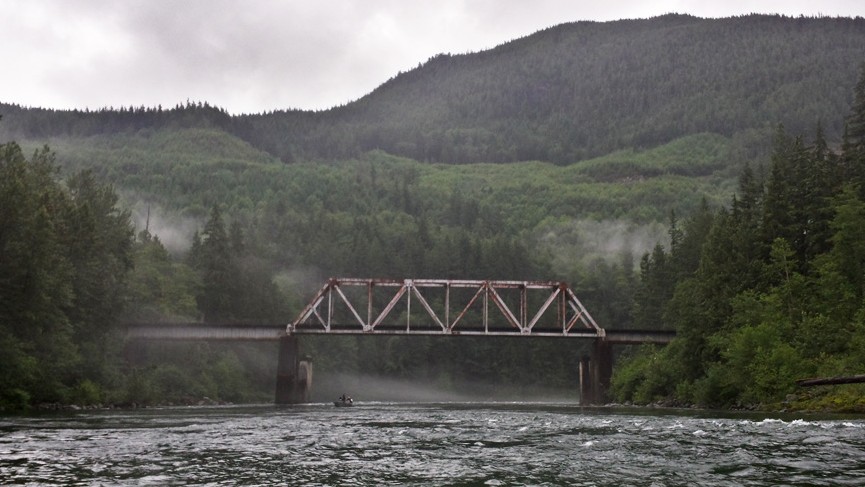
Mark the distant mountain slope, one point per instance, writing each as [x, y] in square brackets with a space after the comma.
[585, 89]
[564, 94]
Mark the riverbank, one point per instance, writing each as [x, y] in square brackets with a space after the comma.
[832, 399]
[848, 398]
[55, 406]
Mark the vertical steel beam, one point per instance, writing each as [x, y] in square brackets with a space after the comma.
[524, 307]
[408, 285]
[486, 306]
[369, 303]
[329, 308]
[448, 306]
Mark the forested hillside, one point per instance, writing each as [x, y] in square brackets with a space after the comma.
[567, 93]
[584, 89]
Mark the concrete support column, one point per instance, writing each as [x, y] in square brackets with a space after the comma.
[304, 380]
[602, 370]
[586, 392]
[595, 373]
[293, 376]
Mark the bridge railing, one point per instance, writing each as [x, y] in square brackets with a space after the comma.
[521, 305]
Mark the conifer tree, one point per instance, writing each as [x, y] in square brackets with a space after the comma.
[654, 290]
[854, 143]
[218, 271]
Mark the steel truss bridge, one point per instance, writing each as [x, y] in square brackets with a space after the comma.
[482, 298]
[492, 308]
[432, 307]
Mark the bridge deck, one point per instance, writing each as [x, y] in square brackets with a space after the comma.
[204, 331]
[273, 332]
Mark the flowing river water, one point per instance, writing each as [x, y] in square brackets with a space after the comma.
[429, 444]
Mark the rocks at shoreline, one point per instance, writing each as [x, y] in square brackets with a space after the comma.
[55, 406]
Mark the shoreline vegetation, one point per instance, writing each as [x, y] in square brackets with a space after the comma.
[765, 291]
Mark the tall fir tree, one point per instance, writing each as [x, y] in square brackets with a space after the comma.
[218, 271]
[854, 135]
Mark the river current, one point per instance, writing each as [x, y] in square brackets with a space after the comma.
[429, 444]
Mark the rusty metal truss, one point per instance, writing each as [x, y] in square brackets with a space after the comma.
[471, 318]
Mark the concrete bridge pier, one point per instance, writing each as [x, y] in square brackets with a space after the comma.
[586, 392]
[293, 376]
[595, 373]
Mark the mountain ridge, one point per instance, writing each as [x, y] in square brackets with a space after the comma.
[566, 93]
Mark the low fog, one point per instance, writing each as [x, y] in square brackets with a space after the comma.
[577, 243]
[174, 231]
[330, 386]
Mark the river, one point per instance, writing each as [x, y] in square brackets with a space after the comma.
[429, 444]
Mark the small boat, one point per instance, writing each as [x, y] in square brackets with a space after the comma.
[344, 401]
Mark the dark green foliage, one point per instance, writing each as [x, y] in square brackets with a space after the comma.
[193, 373]
[854, 134]
[65, 252]
[218, 271]
[159, 287]
[234, 285]
[778, 294]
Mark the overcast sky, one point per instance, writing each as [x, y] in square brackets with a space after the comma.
[258, 55]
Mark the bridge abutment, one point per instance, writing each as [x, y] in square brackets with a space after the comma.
[293, 376]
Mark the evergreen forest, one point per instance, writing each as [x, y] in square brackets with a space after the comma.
[716, 192]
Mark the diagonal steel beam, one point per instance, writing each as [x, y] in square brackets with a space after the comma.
[544, 308]
[426, 306]
[581, 310]
[479, 292]
[387, 309]
[351, 308]
[503, 307]
[311, 308]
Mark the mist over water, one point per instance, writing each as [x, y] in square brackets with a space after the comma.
[376, 443]
[363, 387]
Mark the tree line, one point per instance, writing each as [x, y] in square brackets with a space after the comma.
[765, 291]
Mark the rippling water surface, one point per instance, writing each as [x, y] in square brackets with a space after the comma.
[428, 444]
